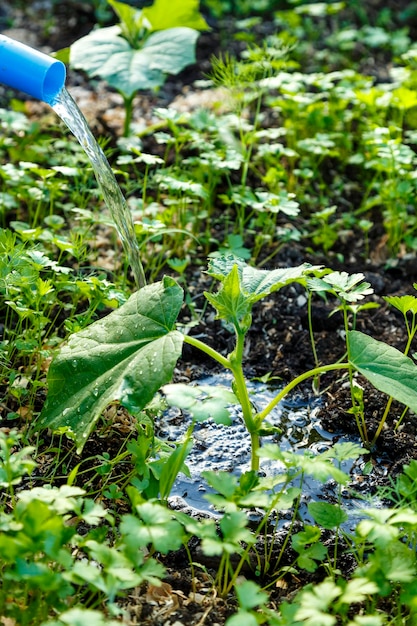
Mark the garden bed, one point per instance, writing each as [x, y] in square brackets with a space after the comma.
[309, 149]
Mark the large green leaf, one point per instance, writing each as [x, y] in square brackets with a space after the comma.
[255, 282]
[388, 369]
[106, 54]
[126, 356]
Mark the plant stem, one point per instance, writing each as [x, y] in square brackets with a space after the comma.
[403, 414]
[359, 415]
[242, 394]
[310, 327]
[241, 390]
[316, 381]
[236, 359]
[234, 363]
[316, 371]
[382, 421]
[211, 352]
[128, 102]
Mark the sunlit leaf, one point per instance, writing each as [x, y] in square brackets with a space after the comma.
[171, 13]
[250, 595]
[154, 527]
[405, 304]
[346, 286]
[232, 304]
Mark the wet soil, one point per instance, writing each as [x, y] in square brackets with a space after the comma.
[278, 342]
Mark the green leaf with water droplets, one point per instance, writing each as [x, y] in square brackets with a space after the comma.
[256, 284]
[126, 356]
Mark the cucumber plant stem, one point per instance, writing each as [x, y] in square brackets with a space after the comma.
[316, 371]
[211, 352]
[241, 391]
[234, 364]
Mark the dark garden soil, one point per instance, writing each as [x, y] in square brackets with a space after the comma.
[278, 342]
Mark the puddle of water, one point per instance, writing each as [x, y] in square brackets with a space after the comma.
[65, 107]
[227, 448]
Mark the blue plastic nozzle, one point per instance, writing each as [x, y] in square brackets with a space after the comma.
[31, 71]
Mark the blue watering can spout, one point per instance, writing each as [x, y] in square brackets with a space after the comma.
[30, 71]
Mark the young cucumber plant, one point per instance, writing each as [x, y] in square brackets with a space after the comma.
[142, 49]
[129, 355]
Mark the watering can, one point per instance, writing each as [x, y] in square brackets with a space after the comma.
[28, 70]
[43, 77]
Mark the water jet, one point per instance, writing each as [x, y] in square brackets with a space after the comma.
[43, 77]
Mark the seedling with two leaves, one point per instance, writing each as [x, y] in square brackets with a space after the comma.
[140, 51]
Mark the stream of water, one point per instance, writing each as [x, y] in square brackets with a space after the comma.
[65, 107]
